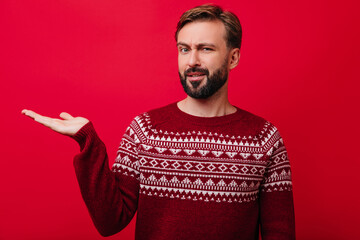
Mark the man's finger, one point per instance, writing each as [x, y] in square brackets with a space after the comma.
[30, 113]
[46, 121]
[66, 116]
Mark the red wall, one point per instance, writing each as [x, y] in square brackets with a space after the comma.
[111, 60]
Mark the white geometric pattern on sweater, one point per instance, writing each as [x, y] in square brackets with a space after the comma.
[205, 166]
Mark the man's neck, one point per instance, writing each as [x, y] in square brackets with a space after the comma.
[215, 106]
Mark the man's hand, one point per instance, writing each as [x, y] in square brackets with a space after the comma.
[68, 125]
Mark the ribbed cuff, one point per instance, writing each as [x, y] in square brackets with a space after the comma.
[87, 131]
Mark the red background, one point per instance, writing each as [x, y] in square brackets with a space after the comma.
[111, 60]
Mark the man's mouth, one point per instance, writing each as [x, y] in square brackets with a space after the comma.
[195, 76]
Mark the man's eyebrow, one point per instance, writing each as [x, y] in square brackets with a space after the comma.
[197, 45]
[182, 43]
[206, 45]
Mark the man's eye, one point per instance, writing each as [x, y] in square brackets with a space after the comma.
[184, 50]
[207, 49]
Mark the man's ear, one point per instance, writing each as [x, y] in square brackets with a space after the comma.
[234, 57]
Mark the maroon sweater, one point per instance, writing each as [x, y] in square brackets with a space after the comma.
[190, 178]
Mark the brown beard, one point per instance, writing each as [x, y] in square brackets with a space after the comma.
[213, 84]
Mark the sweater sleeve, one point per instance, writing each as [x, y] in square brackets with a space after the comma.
[111, 196]
[277, 220]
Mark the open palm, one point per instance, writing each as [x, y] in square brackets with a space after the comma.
[68, 125]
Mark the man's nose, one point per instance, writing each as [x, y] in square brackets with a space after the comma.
[194, 59]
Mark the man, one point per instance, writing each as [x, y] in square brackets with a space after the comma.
[196, 169]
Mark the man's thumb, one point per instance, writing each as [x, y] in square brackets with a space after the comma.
[66, 116]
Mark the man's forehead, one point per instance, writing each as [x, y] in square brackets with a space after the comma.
[200, 32]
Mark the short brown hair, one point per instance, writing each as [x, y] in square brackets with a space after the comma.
[213, 12]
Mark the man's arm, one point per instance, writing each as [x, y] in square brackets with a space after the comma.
[277, 220]
[110, 197]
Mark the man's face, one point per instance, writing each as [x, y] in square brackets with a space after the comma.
[203, 58]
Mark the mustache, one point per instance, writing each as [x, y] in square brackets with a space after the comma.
[197, 69]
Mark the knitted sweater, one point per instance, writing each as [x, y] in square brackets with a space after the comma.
[190, 177]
